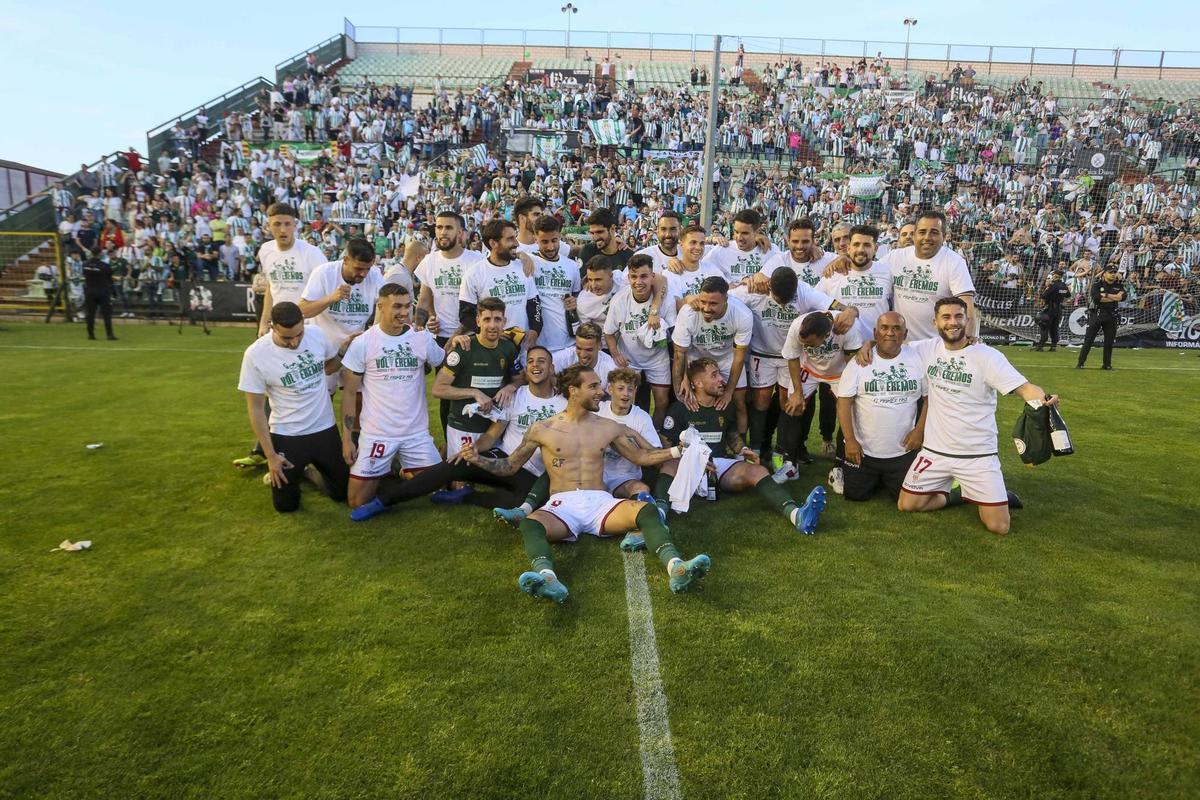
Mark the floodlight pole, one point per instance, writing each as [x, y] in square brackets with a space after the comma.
[710, 140]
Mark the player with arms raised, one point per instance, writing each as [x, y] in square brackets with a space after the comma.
[572, 445]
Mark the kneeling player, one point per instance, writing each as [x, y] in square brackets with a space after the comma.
[572, 444]
[736, 465]
[388, 362]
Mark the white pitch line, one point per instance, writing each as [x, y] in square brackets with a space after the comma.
[1121, 368]
[660, 776]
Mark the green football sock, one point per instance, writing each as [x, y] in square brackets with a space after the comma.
[758, 427]
[777, 496]
[662, 488]
[539, 493]
[536, 546]
[658, 538]
[954, 497]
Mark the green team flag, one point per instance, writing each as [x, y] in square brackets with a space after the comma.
[1170, 318]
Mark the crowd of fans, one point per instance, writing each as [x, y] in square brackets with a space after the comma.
[819, 142]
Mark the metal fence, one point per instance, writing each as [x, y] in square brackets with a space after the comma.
[982, 55]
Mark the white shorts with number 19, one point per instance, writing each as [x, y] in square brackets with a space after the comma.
[375, 456]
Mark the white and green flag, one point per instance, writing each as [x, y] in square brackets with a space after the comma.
[607, 131]
[1170, 317]
[545, 148]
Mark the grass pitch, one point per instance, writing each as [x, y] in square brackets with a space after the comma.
[208, 647]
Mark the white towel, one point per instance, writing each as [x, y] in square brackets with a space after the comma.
[497, 414]
[690, 475]
[651, 337]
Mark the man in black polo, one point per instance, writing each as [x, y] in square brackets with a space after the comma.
[97, 293]
[1107, 292]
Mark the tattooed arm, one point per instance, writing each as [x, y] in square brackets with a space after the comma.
[506, 466]
[635, 448]
[350, 381]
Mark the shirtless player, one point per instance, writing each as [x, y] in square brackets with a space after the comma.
[572, 445]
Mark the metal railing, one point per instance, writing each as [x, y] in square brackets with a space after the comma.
[240, 99]
[37, 212]
[608, 42]
[328, 52]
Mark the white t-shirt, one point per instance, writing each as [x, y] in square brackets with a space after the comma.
[808, 272]
[345, 317]
[658, 256]
[687, 283]
[509, 283]
[736, 264]
[293, 380]
[771, 320]
[616, 465]
[444, 277]
[393, 380]
[962, 396]
[869, 290]
[523, 411]
[919, 283]
[567, 356]
[826, 360]
[886, 395]
[625, 316]
[564, 249]
[398, 274]
[554, 281]
[288, 271]
[714, 339]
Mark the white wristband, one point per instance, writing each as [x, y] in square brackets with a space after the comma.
[676, 452]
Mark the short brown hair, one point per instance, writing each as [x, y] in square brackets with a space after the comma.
[281, 209]
[570, 377]
[700, 365]
[625, 375]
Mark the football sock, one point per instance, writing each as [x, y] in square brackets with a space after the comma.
[777, 496]
[536, 546]
[662, 488]
[539, 493]
[954, 497]
[658, 538]
[758, 427]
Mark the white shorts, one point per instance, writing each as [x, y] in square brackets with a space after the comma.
[455, 439]
[809, 383]
[766, 372]
[723, 465]
[656, 371]
[375, 456]
[981, 479]
[582, 511]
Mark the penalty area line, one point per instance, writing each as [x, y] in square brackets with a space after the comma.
[660, 775]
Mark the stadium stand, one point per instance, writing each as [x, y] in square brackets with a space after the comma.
[797, 137]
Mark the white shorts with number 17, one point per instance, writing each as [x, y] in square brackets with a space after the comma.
[981, 479]
[766, 372]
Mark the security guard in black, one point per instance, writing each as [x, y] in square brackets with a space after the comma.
[1107, 292]
[1053, 297]
[97, 293]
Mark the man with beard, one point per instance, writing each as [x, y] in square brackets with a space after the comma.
[388, 362]
[927, 272]
[803, 256]
[602, 227]
[878, 413]
[736, 465]
[960, 431]
[558, 282]
[867, 285]
[535, 401]
[744, 256]
[502, 276]
[667, 247]
[526, 213]
[572, 444]
[289, 366]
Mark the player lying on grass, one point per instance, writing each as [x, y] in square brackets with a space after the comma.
[736, 465]
[960, 431]
[572, 445]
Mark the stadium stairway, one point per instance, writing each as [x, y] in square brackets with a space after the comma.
[518, 71]
[752, 82]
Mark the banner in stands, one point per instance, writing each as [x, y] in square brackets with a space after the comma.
[559, 77]
[607, 131]
[1098, 162]
[301, 151]
[1159, 318]
[526, 140]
